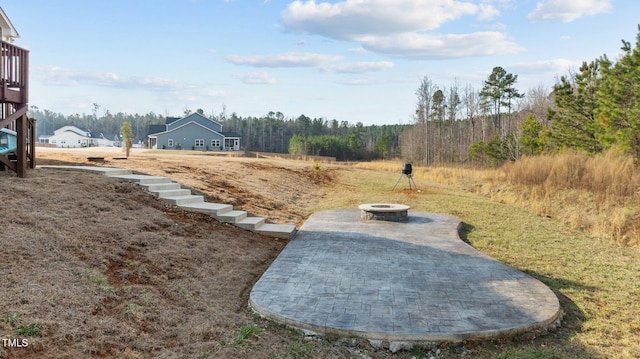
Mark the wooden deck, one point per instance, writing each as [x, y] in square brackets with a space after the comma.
[14, 99]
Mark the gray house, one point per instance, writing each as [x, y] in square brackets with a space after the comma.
[194, 132]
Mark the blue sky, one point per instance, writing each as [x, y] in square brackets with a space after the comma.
[350, 60]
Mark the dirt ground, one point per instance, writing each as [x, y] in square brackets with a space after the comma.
[281, 191]
[95, 267]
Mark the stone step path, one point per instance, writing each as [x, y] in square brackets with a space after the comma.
[173, 193]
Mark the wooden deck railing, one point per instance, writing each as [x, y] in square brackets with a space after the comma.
[14, 99]
[14, 73]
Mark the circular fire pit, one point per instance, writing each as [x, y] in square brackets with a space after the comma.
[384, 212]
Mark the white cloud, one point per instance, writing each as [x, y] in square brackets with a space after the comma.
[401, 28]
[58, 76]
[437, 46]
[364, 82]
[322, 62]
[357, 67]
[289, 59]
[487, 12]
[568, 10]
[358, 50]
[553, 65]
[532, 73]
[255, 78]
[349, 18]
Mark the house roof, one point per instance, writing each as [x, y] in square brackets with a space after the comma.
[169, 120]
[74, 129]
[107, 136]
[153, 129]
[8, 31]
[181, 126]
[230, 134]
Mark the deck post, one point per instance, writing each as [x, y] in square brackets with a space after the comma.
[32, 142]
[21, 150]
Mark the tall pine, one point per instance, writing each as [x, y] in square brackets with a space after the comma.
[619, 99]
[573, 119]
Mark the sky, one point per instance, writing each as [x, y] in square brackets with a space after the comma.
[349, 60]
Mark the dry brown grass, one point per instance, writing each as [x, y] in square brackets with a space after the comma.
[115, 273]
[599, 194]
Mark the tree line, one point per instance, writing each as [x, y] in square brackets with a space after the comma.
[314, 136]
[593, 109]
[598, 106]
[273, 132]
[463, 124]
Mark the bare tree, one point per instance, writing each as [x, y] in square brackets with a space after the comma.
[423, 113]
[471, 103]
[537, 102]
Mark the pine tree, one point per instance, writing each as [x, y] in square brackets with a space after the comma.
[573, 119]
[499, 91]
[619, 99]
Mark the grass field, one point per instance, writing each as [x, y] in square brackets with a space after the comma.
[177, 285]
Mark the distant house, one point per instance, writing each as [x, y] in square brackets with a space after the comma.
[72, 136]
[8, 32]
[194, 132]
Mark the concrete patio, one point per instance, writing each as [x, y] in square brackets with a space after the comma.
[398, 284]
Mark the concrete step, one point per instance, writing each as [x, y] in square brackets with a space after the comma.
[231, 216]
[182, 200]
[160, 186]
[250, 223]
[109, 171]
[172, 193]
[142, 179]
[212, 209]
[285, 231]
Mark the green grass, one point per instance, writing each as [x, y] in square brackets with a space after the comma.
[22, 330]
[133, 311]
[597, 282]
[246, 332]
[12, 319]
[99, 280]
[28, 330]
[299, 349]
[543, 353]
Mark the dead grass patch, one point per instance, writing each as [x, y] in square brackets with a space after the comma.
[599, 194]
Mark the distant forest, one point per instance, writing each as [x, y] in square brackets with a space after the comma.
[592, 109]
[272, 132]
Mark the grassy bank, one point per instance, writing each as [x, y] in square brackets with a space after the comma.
[597, 281]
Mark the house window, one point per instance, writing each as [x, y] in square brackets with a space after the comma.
[199, 142]
[215, 143]
[170, 142]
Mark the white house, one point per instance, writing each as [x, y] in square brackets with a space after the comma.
[7, 30]
[72, 136]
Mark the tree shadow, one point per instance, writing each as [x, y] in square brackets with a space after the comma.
[463, 232]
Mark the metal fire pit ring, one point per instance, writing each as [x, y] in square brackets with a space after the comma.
[384, 212]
